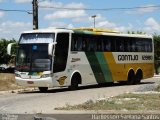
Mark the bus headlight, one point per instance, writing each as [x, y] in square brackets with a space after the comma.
[46, 75]
[17, 75]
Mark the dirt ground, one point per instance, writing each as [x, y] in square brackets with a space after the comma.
[7, 82]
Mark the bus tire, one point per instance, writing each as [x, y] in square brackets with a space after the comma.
[76, 79]
[131, 78]
[138, 77]
[43, 89]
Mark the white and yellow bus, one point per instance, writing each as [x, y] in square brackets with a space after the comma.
[69, 57]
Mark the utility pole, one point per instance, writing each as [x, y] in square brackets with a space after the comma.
[35, 14]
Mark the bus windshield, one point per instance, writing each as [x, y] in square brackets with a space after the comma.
[33, 57]
[37, 38]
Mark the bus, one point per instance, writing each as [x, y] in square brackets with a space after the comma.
[70, 57]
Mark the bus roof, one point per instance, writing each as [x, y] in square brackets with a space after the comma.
[97, 30]
[48, 30]
[92, 31]
[108, 32]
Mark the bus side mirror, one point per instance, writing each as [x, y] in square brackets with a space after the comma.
[9, 48]
[51, 47]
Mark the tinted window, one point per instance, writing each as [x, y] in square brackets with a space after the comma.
[99, 43]
[61, 52]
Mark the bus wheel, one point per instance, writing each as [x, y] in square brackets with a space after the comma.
[76, 79]
[43, 89]
[131, 78]
[138, 77]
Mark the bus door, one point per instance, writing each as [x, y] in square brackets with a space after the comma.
[61, 52]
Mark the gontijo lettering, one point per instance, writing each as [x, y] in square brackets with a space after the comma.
[127, 57]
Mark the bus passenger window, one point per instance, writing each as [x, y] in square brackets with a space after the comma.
[107, 45]
[99, 45]
[74, 44]
[79, 44]
[126, 45]
[84, 44]
[133, 47]
[121, 47]
[139, 45]
[95, 44]
[148, 46]
[91, 45]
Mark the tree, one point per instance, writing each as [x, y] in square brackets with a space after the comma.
[156, 39]
[4, 58]
[136, 32]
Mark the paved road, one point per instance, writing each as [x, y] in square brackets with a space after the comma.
[36, 102]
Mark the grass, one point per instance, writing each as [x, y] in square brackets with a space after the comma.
[122, 102]
[130, 101]
[157, 88]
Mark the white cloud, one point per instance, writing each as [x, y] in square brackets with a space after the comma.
[152, 25]
[102, 22]
[106, 24]
[23, 1]
[71, 15]
[70, 26]
[113, 26]
[74, 5]
[144, 9]
[62, 14]
[47, 5]
[50, 4]
[13, 24]
[124, 28]
[60, 25]
[65, 14]
[80, 19]
[61, 5]
[1, 14]
[88, 18]
[10, 29]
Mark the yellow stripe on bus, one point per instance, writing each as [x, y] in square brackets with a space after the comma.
[120, 71]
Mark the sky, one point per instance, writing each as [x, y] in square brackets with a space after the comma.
[145, 19]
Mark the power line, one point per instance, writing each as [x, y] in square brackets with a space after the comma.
[89, 9]
[41, 1]
[14, 10]
[100, 9]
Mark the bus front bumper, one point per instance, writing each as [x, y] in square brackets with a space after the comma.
[43, 82]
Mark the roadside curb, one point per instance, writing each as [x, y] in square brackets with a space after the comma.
[156, 76]
[103, 112]
[18, 90]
